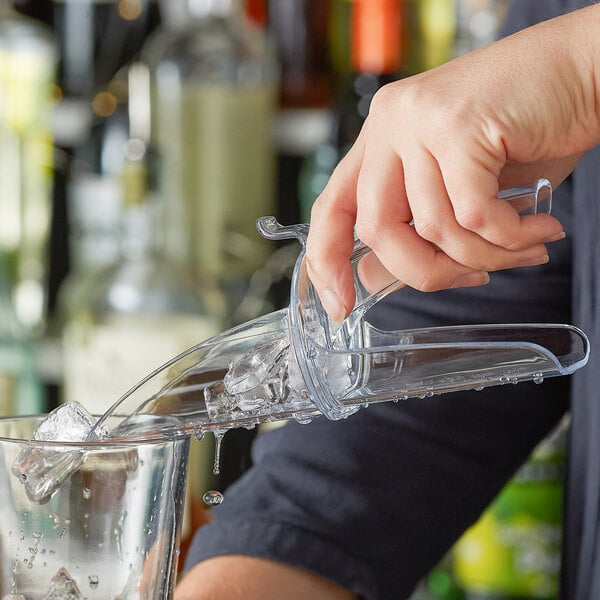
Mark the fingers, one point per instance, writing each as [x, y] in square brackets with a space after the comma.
[479, 232]
[425, 202]
[384, 217]
[472, 188]
[331, 237]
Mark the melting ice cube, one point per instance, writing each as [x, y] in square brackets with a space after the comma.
[43, 470]
[255, 366]
[63, 587]
[70, 422]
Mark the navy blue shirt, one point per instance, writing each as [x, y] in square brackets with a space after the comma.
[375, 501]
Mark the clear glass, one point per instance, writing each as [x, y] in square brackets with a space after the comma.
[295, 363]
[110, 530]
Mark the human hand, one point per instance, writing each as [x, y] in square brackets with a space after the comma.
[234, 577]
[436, 148]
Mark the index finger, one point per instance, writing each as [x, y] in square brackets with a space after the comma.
[331, 237]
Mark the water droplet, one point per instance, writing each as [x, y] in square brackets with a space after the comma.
[218, 442]
[504, 379]
[86, 493]
[479, 388]
[23, 478]
[538, 378]
[93, 580]
[212, 498]
[303, 419]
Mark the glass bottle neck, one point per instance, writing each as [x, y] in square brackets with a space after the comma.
[139, 210]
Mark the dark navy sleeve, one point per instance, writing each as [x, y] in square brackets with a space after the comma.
[374, 501]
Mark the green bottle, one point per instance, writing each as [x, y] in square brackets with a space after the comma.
[513, 551]
[21, 389]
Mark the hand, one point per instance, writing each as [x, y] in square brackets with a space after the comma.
[248, 578]
[437, 147]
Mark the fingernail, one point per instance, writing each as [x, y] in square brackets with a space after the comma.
[542, 259]
[472, 279]
[332, 305]
[555, 238]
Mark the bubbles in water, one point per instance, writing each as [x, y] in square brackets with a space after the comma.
[212, 498]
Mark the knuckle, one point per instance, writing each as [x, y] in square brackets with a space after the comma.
[426, 283]
[382, 99]
[318, 208]
[471, 218]
[429, 229]
[368, 232]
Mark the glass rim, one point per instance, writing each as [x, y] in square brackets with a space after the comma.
[141, 438]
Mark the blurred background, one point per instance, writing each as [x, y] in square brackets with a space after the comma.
[140, 140]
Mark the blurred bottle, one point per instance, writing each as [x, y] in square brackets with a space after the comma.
[214, 91]
[478, 22]
[94, 200]
[299, 30]
[27, 70]
[97, 38]
[21, 391]
[144, 309]
[513, 551]
[433, 41]
[300, 33]
[379, 42]
[339, 37]
[256, 11]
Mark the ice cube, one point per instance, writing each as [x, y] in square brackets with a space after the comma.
[63, 587]
[43, 470]
[255, 366]
[69, 422]
[218, 402]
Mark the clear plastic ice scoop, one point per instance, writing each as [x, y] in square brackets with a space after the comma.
[295, 363]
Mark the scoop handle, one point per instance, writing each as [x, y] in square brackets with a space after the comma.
[527, 200]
